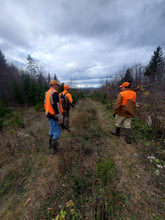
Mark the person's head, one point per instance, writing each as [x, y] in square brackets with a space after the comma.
[125, 85]
[54, 84]
[66, 87]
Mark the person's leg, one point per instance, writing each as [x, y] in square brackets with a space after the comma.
[56, 135]
[66, 119]
[51, 126]
[116, 132]
[118, 122]
[50, 132]
[127, 126]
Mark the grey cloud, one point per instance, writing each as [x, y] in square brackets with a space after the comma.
[82, 40]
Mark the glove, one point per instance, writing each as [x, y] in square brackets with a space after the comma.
[114, 115]
[60, 117]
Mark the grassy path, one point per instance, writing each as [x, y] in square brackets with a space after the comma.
[134, 179]
[36, 185]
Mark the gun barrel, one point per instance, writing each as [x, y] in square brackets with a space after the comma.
[141, 87]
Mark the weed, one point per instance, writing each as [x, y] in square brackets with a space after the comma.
[105, 170]
[39, 107]
[140, 129]
[14, 120]
[11, 131]
[18, 120]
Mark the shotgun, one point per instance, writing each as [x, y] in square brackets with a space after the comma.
[56, 119]
[62, 125]
[141, 87]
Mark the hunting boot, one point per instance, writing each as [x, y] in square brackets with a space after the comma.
[50, 141]
[117, 132]
[54, 146]
[127, 135]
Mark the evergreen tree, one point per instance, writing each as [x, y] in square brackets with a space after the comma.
[3, 63]
[17, 94]
[49, 78]
[128, 76]
[55, 77]
[31, 66]
[154, 68]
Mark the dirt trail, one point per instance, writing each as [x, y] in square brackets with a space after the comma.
[134, 179]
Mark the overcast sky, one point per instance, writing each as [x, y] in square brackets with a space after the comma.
[82, 41]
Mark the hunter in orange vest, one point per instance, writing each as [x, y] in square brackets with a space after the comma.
[66, 100]
[54, 113]
[124, 110]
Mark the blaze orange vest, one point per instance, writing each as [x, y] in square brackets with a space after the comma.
[128, 94]
[48, 100]
[68, 95]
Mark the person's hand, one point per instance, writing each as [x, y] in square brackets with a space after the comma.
[72, 105]
[59, 117]
[60, 122]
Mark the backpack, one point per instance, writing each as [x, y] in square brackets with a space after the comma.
[64, 101]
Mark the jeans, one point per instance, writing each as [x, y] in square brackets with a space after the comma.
[55, 129]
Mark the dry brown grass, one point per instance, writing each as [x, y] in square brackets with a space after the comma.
[35, 183]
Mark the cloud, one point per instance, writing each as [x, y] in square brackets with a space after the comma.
[84, 40]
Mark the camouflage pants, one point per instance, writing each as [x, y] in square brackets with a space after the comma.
[123, 120]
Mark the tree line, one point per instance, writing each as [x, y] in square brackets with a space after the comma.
[27, 87]
[21, 87]
[150, 99]
[139, 75]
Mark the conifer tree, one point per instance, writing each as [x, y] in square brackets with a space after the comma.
[154, 68]
[31, 66]
[128, 76]
[49, 78]
[55, 77]
[3, 63]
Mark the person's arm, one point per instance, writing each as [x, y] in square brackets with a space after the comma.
[56, 106]
[70, 98]
[117, 103]
[55, 103]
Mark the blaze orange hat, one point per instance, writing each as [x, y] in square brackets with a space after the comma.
[54, 82]
[66, 87]
[125, 84]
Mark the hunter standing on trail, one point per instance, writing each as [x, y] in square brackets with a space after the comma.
[124, 110]
[66, 100]
[54, 113]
